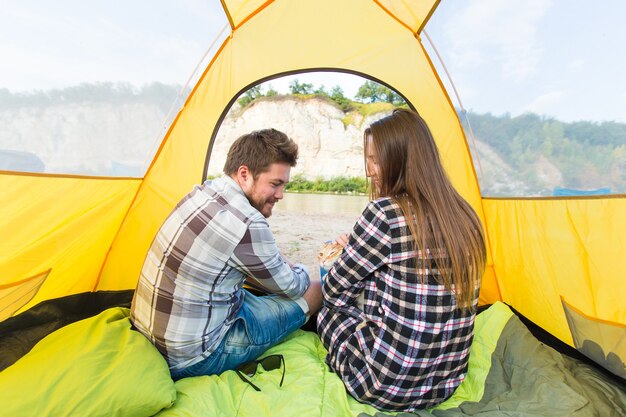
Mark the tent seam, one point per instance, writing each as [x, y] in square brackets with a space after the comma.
[394, 16]
[428, 16]
[473, 168]
[165, 140]
[251, 15]
[71, 176]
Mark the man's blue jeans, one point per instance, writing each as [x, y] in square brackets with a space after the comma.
[261, 323]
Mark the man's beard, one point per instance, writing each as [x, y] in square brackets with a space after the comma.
[260, 204]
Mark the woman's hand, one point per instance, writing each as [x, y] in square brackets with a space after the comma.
[342, 239]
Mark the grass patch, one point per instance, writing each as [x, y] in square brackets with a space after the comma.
[335, 185]
[367, 109]
[363, 110]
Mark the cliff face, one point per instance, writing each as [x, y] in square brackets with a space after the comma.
[110, 139]
[327, 147]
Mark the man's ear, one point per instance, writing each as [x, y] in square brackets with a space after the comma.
[243, 175]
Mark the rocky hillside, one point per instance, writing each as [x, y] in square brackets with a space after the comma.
[119, 139]
[110, 139]
[329, 145]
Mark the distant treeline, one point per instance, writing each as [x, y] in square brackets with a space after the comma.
[369, 92]
[160, 94]
[588, 154]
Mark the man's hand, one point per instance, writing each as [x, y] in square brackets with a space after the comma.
[313, 297]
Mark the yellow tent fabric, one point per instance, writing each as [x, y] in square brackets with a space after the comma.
[548, 249]
[277, 44]
[60, 226]
[93, 233]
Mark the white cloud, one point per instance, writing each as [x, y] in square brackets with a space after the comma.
[500, 32]
[547, 103]
[577, 65]
[569, 106]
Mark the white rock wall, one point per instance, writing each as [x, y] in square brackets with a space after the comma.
[89, 138]
[327, 147]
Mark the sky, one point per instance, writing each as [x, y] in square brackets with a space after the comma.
[559, 58]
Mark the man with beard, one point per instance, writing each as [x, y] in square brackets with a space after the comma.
[190, 301]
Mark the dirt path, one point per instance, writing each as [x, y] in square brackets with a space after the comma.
[299, 235]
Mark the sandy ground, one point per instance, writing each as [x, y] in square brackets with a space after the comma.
[299, 235]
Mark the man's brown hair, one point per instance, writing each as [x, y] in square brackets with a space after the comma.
[259, 149]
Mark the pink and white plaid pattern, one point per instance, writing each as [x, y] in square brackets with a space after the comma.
[409, 347]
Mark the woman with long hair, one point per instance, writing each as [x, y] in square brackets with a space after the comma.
[415, 257]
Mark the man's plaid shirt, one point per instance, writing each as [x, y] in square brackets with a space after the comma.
[409, 346]
[190, 288]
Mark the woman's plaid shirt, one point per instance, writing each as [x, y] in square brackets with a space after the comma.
[409, 346]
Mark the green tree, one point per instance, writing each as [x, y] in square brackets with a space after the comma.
[336, 95]
[271, 92]
[321, 90]
[395, 98]
[249, 96]
[296, 87]
[368, 92]
[372, 92]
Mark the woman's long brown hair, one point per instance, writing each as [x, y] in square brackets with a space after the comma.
[411, 173]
